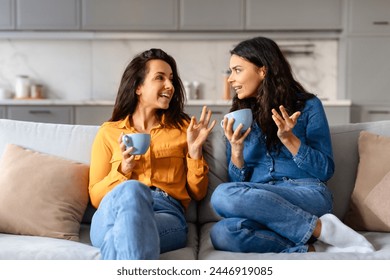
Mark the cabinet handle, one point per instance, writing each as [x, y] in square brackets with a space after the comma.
[379, 112]
[384, 22]
[34, 112]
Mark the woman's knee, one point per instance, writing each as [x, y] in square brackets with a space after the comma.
[222, 198]
[131, 188]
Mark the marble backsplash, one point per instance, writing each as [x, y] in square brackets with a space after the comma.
[73, 69]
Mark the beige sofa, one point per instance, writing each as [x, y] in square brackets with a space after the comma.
[73, 142]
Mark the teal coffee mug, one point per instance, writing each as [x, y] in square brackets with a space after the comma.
[243, 116]
[140, 142]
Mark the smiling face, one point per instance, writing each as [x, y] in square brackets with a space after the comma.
[157, 89]
[246, 77]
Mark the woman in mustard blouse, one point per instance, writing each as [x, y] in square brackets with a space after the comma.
[141, 199]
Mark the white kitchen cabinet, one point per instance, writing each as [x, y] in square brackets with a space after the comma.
[218, 110]
[337, 114]
[369, 17]
[130, 15]
[211, 14]
[7, 14]
[370, 113]
[93, 115]
[46, 114]
[48, 14]
[2, 112]
[368, 68]
[294, 15]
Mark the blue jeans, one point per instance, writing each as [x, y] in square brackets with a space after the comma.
[278, 216]
[135, 222]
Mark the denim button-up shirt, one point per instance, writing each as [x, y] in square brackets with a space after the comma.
[313, 160]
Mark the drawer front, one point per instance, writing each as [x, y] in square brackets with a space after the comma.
[46, 114]
[218, 111]
[92, 115]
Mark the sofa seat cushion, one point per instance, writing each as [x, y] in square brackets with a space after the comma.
[25, 247]
[380, 240]
[41, 194]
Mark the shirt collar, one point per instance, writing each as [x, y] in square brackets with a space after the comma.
[125, 123]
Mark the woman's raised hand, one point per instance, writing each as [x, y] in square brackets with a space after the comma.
[198, 132]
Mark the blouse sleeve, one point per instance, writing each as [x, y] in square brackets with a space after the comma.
[103, 173]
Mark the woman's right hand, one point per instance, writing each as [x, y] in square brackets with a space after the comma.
[236, 139]
[128, 161]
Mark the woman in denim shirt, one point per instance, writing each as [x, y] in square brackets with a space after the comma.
[277, 199]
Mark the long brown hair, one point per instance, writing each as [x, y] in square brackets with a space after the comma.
[278, 87]
[134, 75]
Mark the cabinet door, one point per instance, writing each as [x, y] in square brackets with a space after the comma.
[2, 112]
[129, 15]
[45, 114]
[293, 14]
[368, 79]
[92, 115]
[212, 14]
[338, 114]
[369, 17]
[48, 14]
[7, 14]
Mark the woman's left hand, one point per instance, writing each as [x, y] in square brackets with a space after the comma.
[198, 132]
[285, 124]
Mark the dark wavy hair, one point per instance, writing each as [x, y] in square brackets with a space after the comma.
[134, 75]
[278, 87]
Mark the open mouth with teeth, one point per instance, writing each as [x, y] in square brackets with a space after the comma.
[237, 88]
[165, 95]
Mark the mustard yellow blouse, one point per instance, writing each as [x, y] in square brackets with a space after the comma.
[165, 165]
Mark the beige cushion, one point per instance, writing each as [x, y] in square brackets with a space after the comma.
[369, 204]
[378, 203]
[41, 194]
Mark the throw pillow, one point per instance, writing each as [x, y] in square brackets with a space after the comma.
[374, 164]
[41, 194]
[377, 202]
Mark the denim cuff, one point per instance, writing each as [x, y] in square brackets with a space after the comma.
[301, 155]
[237, 174]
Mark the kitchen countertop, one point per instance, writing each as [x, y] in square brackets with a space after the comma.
[60, 102]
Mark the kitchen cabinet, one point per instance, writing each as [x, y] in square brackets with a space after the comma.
[294, 14]
[92, 115]
[218, 110]
[368, 68]
[370, 113]
[46, 114]
[211, 14]
[337, 114]
[48, 15]
[369, 17]
[2, 112]
[130, 15]
[7, 14]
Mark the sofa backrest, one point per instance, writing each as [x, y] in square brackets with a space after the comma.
[68, 141]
